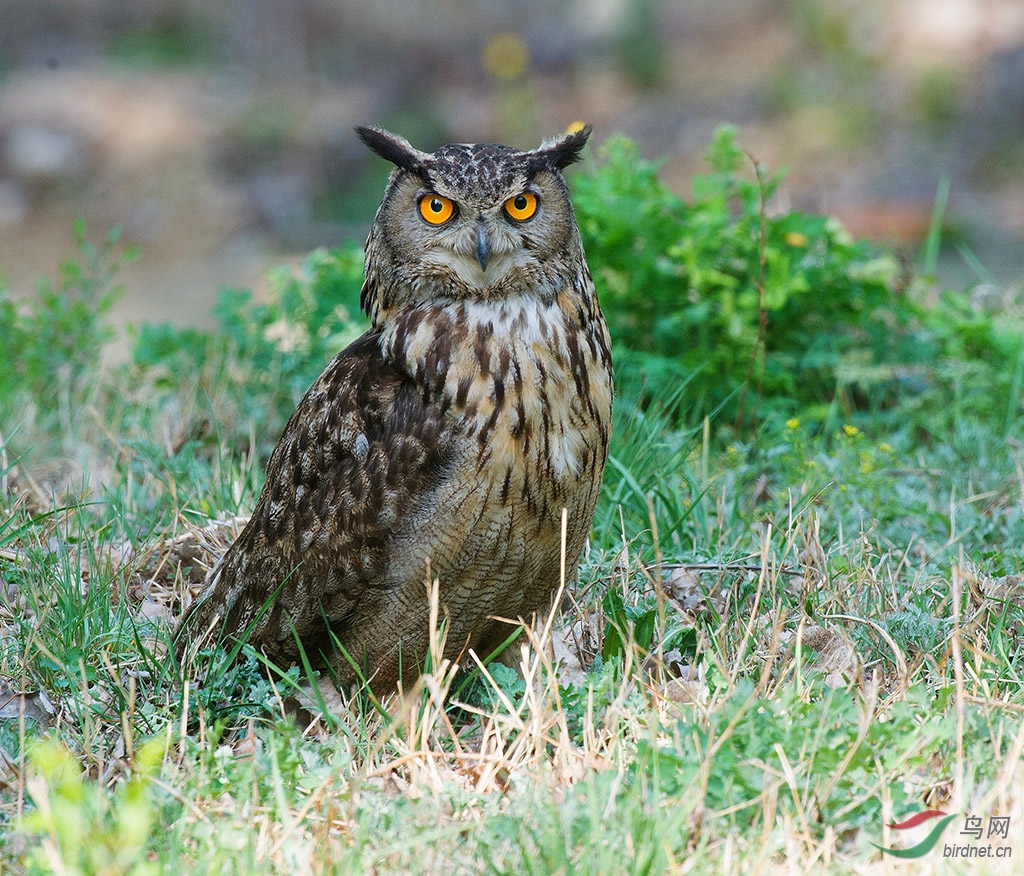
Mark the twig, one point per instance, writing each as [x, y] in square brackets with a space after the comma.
[760, 346]
[729, 567]
[993, 704]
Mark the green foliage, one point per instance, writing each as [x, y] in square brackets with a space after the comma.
[685, 283]
[627, 624]
[82, 827]
[508, 685]
[54, 340]
[916, 630]
[241, 689]
[816, 735]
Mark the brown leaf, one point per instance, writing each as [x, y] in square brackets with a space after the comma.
[34, 705]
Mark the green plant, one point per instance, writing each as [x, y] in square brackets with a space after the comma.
[80, 826]
[53, 341]
[698, 291]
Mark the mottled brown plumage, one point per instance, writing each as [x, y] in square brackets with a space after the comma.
[450, 436]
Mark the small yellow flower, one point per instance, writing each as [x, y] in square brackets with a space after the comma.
[505, 55]
[885, 448]
[793, 423]
[795, 238]
[851, 430]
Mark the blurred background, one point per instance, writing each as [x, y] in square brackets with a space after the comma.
[218, 133]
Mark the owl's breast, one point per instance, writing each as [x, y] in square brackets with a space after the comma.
[526, 390]
[529, 383]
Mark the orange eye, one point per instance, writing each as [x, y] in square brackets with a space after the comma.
[521, 207]
[436, 210]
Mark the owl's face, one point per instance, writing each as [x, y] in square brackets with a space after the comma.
[471, 221]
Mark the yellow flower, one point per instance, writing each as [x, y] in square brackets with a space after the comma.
[506, 56]
[795, 238]
[793, 423]
[851, 430]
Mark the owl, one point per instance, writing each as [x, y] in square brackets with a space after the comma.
[442, 444]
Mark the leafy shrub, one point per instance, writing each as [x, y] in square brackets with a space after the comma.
[683, 284]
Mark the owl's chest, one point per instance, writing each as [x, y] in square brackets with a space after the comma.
[528, 384]
[532, 420]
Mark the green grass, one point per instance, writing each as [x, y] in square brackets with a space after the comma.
[790, 628]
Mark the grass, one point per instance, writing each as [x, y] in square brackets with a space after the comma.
[810, 672]
[780, 641]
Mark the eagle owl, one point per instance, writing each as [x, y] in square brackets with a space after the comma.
[444, 442]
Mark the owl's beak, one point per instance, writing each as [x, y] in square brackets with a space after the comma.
[483, 246]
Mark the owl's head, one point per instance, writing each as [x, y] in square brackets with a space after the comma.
[477, 221]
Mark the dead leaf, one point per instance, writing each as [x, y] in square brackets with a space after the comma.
[34, 705]
[690, 593]
[245, 748]
[157, 612]
[837, 658]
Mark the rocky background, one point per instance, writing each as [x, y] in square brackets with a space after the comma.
[219, 133]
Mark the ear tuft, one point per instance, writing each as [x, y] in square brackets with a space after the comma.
[393, 148]
[559, 154]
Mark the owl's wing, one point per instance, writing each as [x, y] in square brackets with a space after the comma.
[361, 449]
